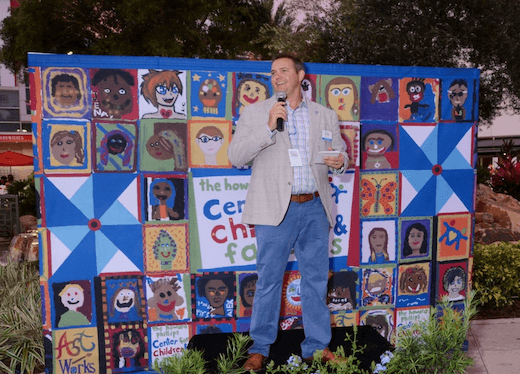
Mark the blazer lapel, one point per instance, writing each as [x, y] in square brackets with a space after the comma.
[315, 136]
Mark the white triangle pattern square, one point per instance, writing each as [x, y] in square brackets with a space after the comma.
[453, 205]
[408, 193]
[68, 186]
[119, 264]
[129, 199]
[59, 253]
[464, 146]
[419, 133]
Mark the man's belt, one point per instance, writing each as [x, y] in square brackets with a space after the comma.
[303, 198]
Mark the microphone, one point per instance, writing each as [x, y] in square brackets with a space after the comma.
[280, 96]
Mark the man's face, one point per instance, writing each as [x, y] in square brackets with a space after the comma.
[66, 94]
[284, 77]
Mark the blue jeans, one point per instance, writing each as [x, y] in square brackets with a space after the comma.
[306, 229]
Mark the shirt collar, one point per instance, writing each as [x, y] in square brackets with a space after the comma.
[303, 104]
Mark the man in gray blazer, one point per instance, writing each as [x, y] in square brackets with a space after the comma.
[288, 201]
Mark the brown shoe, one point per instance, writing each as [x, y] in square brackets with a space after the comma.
[327, 356]
[254, 362]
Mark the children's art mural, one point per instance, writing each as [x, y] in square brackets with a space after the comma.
[142, 244]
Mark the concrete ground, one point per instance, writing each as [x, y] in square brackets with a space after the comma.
[494, 345]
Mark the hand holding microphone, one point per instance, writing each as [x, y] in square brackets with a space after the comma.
[280, 97]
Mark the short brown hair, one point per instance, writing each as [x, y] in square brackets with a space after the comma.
[298, 64]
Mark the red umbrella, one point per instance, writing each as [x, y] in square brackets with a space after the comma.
[10, 158]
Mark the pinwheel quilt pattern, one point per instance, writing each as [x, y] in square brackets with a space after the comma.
[94, 225]
[437, 175]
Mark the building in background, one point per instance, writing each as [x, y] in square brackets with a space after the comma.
[15, 111]
[490, 139]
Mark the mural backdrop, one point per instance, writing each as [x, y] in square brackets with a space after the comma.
[141, 239]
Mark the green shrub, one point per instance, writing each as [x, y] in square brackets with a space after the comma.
[496, 273]
[21, 342]
[436, 345]
[506, 178]
[483, 175]
[26, 191]
[190, 362]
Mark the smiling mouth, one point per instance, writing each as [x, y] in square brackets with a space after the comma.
[339, 300]
[296, 299]
[166, 255]
[125, 305]
[250, 100]
[168, 101]
[115, 149]
[166, 308]
[377, 150]
[73, 302]
[161, 197]
[112, 106]
[64, 155]
[414, 290]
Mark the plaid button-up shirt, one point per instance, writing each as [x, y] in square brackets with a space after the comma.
[298, 128]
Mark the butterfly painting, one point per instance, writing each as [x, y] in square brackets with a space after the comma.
[378, 196]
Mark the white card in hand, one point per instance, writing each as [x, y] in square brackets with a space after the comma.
[319, 158]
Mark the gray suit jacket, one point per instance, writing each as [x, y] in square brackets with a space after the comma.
[269, 191]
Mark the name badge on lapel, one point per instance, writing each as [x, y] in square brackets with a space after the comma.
[326, 135]
[294, 157]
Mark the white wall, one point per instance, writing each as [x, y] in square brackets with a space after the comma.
[506, 125]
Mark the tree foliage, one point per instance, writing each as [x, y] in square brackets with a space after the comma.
[439, 33]
[221, 29]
